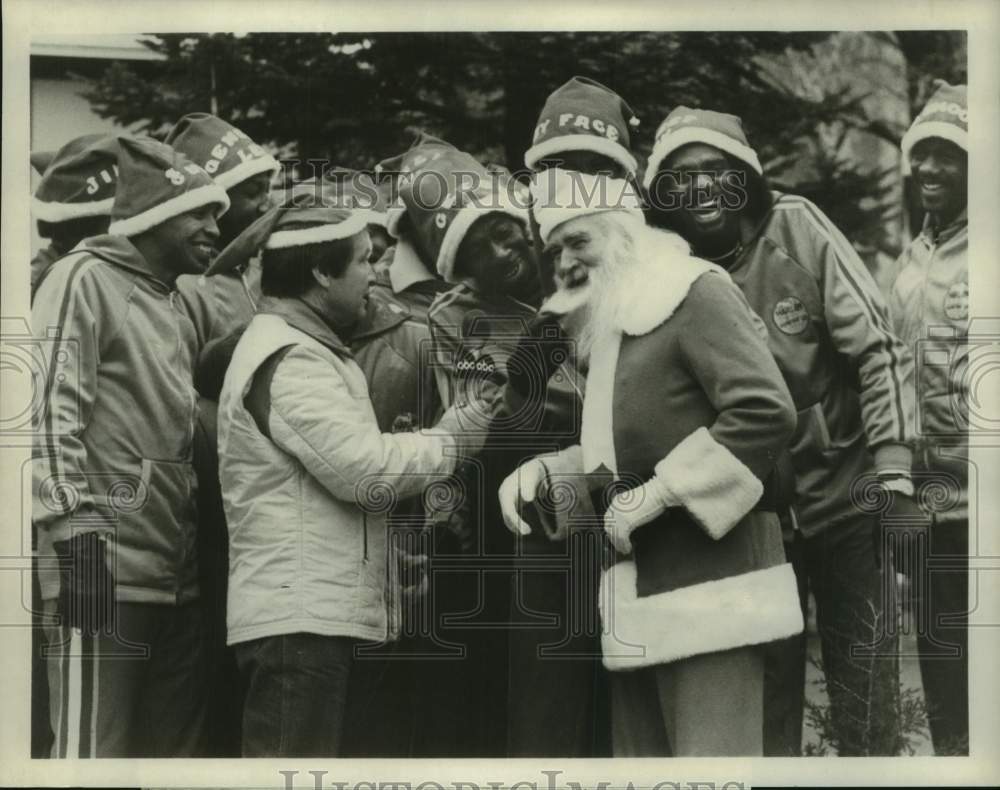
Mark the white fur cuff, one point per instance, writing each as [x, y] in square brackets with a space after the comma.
[712, 484]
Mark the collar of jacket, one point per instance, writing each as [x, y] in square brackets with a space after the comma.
[502, 304]
[379, 319]
[407, 268]
[940, 235]
[652, 291]
[299, 315]
[119, 251]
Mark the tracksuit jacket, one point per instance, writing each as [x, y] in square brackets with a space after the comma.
[113, 436]
[849, 375]
[930, 311]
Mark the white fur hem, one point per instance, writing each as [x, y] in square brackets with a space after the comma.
[188, 201]
[671, 141]
[61, 212]
[712, 484]
[356, 223]
[580, 142]
[247, 169]
[460, 225]
[748, 609]
[392, 219]
[922, 131]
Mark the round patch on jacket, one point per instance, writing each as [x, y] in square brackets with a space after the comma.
[790, 316]
[956, 302]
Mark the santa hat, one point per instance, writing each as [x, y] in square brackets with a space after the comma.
[444, 191]
[686, 125]
[79, 180]
[583, 115]
[303, 219]
[561, 195]
[945, 116]
[354, 189]
[158, 183]
[227, 154]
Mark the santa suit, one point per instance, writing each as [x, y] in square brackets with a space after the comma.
[686, 390]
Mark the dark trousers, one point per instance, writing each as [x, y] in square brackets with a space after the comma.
[138, 692]
[854, 599]
[943, 639]
[558, 695]
[296, 694]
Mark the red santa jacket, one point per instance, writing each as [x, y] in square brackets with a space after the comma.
[687, 388]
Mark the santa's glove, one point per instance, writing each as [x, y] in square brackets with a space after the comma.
[903, 525]
[86, 586]
[521, 487]
[629, 510]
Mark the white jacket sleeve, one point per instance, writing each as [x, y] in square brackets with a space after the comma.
[333, 433]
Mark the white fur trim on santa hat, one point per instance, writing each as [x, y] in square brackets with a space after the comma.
[393, 216]
[670, 142]
[748, 609]
[580, 142]
[561, 195]
[180, 204]
[247, 169]
[711, 483]
[379, 218]
[318, 234]
[460, 225]
[926, 129]
[61, 212]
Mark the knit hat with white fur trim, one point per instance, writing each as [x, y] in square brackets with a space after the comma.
[685, 125]
[443, 192]
[227, 154]
[583, 115]
[157, 183]
[302, 220]
[945, 116]
[79, 180]
[561, 195]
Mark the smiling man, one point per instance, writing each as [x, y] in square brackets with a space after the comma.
[931, 294]
[218, 305]
[113, 481]
[828, 328]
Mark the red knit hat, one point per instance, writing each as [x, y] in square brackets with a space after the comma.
[443, 192]
[156, 184]
[583, 115]
[79, 180]
[227, 154]
[686, 125]
[303, 219]
[945, 116]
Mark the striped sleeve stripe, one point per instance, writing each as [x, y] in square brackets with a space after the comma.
[844, 257]
[48, 428]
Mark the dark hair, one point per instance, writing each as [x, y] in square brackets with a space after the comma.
[71, 232]
[288, 271]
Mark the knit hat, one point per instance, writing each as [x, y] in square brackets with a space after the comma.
[158, 183]
[583, 115]
[685, 125]
[79, 180]
[444, 191]
[302, 220]
[561, 195]
[945, 116]
[227, 154]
